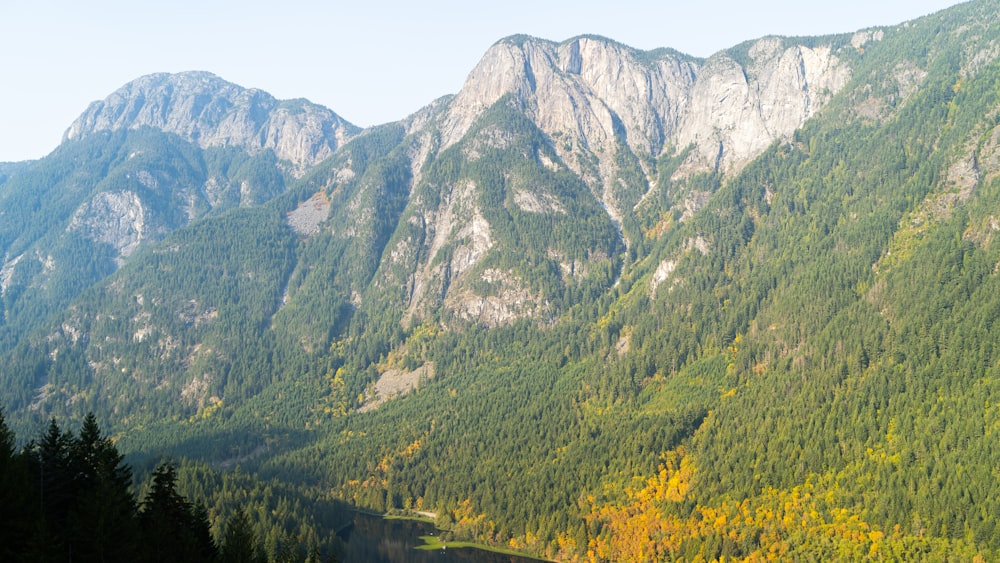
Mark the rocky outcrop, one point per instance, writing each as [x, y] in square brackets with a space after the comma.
[593, 96]
[457, 238]
[204, 109]
[114, 218]
[307, 217]
[734, 112]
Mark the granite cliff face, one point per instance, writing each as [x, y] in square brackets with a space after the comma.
[593, 96]
[204, 109]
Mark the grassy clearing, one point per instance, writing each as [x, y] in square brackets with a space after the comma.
[432, 543]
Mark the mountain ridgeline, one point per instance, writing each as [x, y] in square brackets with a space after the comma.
[600, 305]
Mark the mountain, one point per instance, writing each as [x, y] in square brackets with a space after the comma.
[601, 304]
[8, 169]
[201, 108]
[157, 155]
[598, 98]
[549, 113]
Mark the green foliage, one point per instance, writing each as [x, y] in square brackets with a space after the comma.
[239, 543]
[288, 522]
[69, 497]
[173, 529]
[816, 344]
[212, 286]
[54, 254]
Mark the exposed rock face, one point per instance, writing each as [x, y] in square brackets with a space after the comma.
[734, 113]
[115, 218]
[307, 217]
[456, 223]
[396, 383]
[209, 111]
[7, 272]
[591, 96]
[661, 275]
[512, 301]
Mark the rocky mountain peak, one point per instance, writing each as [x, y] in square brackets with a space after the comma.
[659, 97]
[597, 96]
[204, 109]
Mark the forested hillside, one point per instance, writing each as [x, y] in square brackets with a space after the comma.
[71, 497]
[590, 344]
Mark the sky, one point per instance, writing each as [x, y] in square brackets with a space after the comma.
[370, 61]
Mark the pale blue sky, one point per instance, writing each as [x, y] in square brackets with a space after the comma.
[371, 61]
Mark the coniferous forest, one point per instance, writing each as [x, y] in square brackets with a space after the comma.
[71, 497]
[793, 359]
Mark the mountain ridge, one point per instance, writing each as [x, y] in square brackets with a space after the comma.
[765, 328]
[202, 108]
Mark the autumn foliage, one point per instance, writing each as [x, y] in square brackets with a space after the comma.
[660, 522]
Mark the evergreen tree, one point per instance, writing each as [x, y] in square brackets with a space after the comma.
[18, 512]
[103, 525]
[172, 528]
[53, 469]
[240, 544]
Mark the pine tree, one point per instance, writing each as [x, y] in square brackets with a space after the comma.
[52, 468]
[19, 513]
[172, 528]
[103, 525]
[240, 544]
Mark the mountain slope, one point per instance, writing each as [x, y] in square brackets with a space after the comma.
[637, 305]
[162, 152]
[77, 215]
[599, 100]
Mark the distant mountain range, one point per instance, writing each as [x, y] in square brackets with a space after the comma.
[601, 304]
